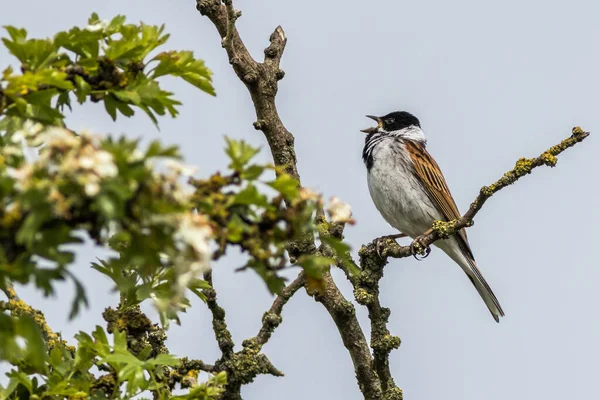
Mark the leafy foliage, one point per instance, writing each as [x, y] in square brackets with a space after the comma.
[107, 61]
[58, 186]
[109, 189]
[262, 226]
[63, 371]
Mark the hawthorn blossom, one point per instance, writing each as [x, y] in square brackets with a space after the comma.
[339, 211]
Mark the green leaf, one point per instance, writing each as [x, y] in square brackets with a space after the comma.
[63, 100]
[36, 352]
[101, 345]
[124, 109]
[32, 53]
[110, 104]
[32, 225]
[342, 252]
[286, 185]
[196, 286]
[253, 172]
[156, 149]
[184, 65]
[274, 282]
[164, 359]
[250, 196]
[240, 153]
[315, 265]
[22, 379]
[83, 89]
[10, 388]
[128, 96]
[117, 358]
[80, 297]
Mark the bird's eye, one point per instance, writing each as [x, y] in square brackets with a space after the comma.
[389, 121]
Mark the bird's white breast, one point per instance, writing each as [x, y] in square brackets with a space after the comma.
[397, 192]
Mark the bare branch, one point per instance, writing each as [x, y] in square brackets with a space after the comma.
[261, 79]
[272, 318]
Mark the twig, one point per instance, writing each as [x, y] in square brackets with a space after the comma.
[272, 318]
[524, 166]
[222, 334]
[18, 307]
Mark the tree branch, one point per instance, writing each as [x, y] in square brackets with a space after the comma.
[17, 307]
[344, 315]
[524, 166]
[261, 80]
[272, 318]
[222, 334]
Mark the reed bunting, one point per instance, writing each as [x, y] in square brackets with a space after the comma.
[410, 192]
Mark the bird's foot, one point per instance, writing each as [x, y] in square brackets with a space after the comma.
[419, 249]
[382, 242]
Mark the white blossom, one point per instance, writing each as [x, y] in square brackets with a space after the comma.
[29, 130]
[104, 164]
[61, 137]
[307, 194]
[86, 162]
[339, 211]
[22, 175]
[91, 189]
[136, 155]
[195, 231]
[180, 168]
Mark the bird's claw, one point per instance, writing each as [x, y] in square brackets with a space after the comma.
[418, 249]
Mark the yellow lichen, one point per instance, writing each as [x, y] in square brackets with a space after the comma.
[444, 229]
[18, 307]
[487, 190]
[549, 159]
[362, 296]
[193, 373]
[523, 166]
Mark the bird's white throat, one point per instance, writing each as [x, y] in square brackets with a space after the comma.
[412, 132]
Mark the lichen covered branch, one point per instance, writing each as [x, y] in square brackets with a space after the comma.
[18, 307]
[222, 334]
[272, 318]
[261, 80]
[445, 229]
[344, 315]
[244, 365]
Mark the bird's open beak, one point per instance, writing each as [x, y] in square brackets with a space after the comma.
[374, 129]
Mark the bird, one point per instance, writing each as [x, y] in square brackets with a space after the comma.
[410, 191]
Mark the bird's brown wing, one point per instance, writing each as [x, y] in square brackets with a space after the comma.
[429, 174]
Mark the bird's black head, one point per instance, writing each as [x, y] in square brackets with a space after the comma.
[393, 121]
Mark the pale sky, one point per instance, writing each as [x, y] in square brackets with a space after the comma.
[490, 82]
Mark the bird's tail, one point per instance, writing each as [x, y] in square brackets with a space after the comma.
[484, 289]
[460, 252]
